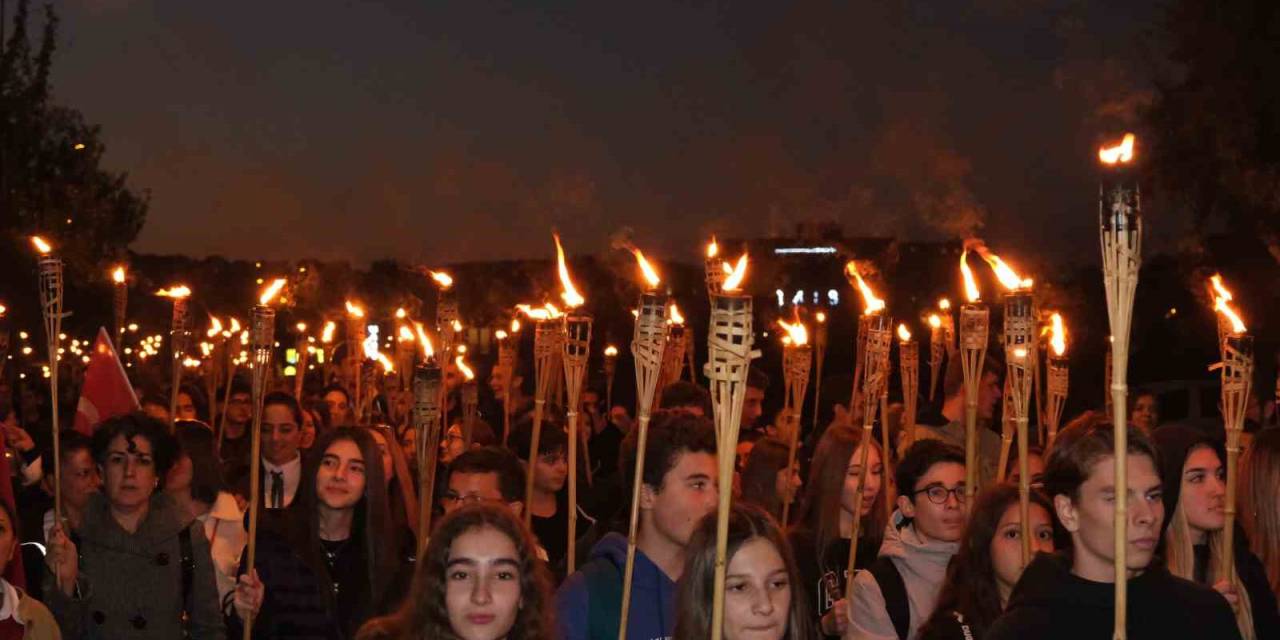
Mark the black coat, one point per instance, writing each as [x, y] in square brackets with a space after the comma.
[1050, 602]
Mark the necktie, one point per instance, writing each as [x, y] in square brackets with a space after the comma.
[277, 490]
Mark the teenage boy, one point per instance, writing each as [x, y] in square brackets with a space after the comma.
[1072, 595]
[678, 489]
[485, 474]
[898, 592]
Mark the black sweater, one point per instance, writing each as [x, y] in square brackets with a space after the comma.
[814, 575]
[1253, 576]
[1050, 602]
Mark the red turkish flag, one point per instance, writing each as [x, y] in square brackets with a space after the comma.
[106, 392]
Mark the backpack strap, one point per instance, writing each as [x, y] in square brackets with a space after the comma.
[894, 591]
[188, 565]
[604, 593]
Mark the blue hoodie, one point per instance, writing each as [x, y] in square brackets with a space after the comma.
[653, 596]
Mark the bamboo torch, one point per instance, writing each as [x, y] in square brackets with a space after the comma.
[177, 342]
[327, 352]
[355, 354]
[714, 268]
[576, 343]
[875, 375]
[820, 351]
[797, 358]
[508, 355]
[262, 339]
[937, 347]
[302, 348]
[1058, 376]
[232, 332]
[975, 324]
[426, 420]
[50, 269]
[873, 318]
[546, 341]
[610, 369]
[1237, 380]
[729, 354]
[1120, 219]
[447, 328]
[119, 304]
[674, 355]
[647, 346]
[873, 307]
[470, 399]
[909, 371]
[215, 361]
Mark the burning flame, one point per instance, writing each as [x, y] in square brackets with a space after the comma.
[545, 312]
[41, 246]
[118, 275]
[713, 249]
[1216, 281]
[822, 317]
[382, 359]
[443, 279]
[1006, 275]
[428, 351]
[944, 304]
[873, 304]
[610, 351]
[570, 295]
[215, 327]
[401, 313]
[500, 334]
[235, 325]
[796, 331]
[515, 325]
[1222, 296]
[903, 334]
[326, 335]
[301, 327]
[405, 334]
[1058, 339]
[457, 326]
[736, 275]
[467, 373]
[674, 316]
[354, 310]
[1120, 153]
[370, 343]
[970, 285]
[646, 269]
[271, 291]
[180, 291]
[935, 321]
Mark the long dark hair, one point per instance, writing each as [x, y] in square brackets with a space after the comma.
[196, 442]
[372, 521]
[424, 614]
[821, 507]
[746, 522]
[760, 475]
[970, 587]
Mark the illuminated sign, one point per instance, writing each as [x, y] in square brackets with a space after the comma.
[782, 251]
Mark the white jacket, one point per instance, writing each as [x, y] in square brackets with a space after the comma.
[922, 565]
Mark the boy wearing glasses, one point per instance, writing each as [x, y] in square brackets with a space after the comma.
[898, 592]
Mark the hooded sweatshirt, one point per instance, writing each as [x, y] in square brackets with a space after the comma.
[597, 586]
[1050, 602]
[922, 565]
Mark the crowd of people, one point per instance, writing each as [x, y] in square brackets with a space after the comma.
[153, 537]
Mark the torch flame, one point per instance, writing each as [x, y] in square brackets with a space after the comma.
[1058, 341]
[180, 291]
[354, 309]
[822, 317]
[301, 327]
[500, 334]
[457, 326]
[370, 343]
[40, 245]
[570, 295]
[467, 373]
[970, 285]
[713, 249]
[401, 313]
[1121, 153]
[215, 327]
[1222, 292]
[428, 351]
[545, 312]
[873, 303]
[235, 325]
[674, 315]
[944, 304]
[382, 359]
[796, 331]
[326, 335]
[271, 291]
[610, 351]
[443, 279]
[405, 334]
[903, 334]
[118, 275]
[1004, 273]
[646, 269]
[739, 272]
[1222, 296]
[935, 321]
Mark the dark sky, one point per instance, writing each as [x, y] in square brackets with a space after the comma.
[440, 132]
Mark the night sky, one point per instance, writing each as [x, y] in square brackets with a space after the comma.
[441, 132]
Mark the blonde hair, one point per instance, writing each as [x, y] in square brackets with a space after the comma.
[1181, 560]
[1260, 511]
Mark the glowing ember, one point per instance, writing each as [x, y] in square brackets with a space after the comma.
[736, 275]
[1058, 339]
[428, 351]
[872, 303]
[117, 275]
[673, 314]
[610, 351]
[934, 321]
[970, 285]
[467, 373]
[796, 332]
[903, 334]
[180, 291]
[443, 279]
[1005, 274]
[647, 270]
[1120, 153]
[326, 335]
[570, 295]
[40, 245]
[354, 310]
[271, 291]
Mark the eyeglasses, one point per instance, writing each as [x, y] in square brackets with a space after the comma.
[938, 494]
[470, 498]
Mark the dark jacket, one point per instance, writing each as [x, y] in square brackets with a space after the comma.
[814, 575]
[130, 585]
[653, 596]
[1050, 602]
[948, 625]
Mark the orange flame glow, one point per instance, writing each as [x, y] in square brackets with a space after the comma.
[354, 310]
[443, 279]
[570, 295]
[235, 325]
[301, 327]
[1004, 273]
[904, 334]
[944, 304]
[271, 291]
[796, 331]
[405, 334]
[673, 314]
[500, 334]
[1221, 300]
[713, 249]
[873, 304]
[1120, 153]
[382, 359]
[180, 291]
[117, 275]
[428, 351]
[610, 351]
[737, 274]
[650, 274]
[467, 373]
[970, 285]
[821, 317]
[40, 244]
[326, 335]
[401, 313]
[1219, 289]
[545, 312]
[1058, 339]
[935, 322]
[515, 325]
